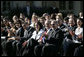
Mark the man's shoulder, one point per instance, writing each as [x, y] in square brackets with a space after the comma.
[59, 31]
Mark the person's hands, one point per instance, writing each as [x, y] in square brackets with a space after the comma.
[66, 29]
[72, 33]
[44, 34]
[11, 38]
[24, 44]
[17, 38]
[80, 36]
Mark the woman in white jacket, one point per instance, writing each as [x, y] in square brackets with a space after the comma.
[37, 33]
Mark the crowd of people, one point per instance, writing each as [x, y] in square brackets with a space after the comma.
[46, 35]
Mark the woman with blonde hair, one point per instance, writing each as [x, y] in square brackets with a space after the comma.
[34, 20]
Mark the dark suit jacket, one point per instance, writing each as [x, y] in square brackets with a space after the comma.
[20, 32]
[62, 26]
[30, 31]
[56, 36]
[68, 34]
[28, 34]
[4, 33]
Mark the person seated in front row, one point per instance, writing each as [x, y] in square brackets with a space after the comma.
[76, 37]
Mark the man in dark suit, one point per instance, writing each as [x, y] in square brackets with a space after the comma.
[68, 45]
[24, 33]
[53, 38]
[60, 24]
[27, 34]
[55, 33]
[47, 29]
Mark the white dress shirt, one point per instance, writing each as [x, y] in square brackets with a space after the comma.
[48, 30]
[32, 24]
[37, 36]
[79, 31]
[25, 34]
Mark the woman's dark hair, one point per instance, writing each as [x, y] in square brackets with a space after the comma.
[19, 22]
[66, 18]
[81, 21]
[40, 24]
